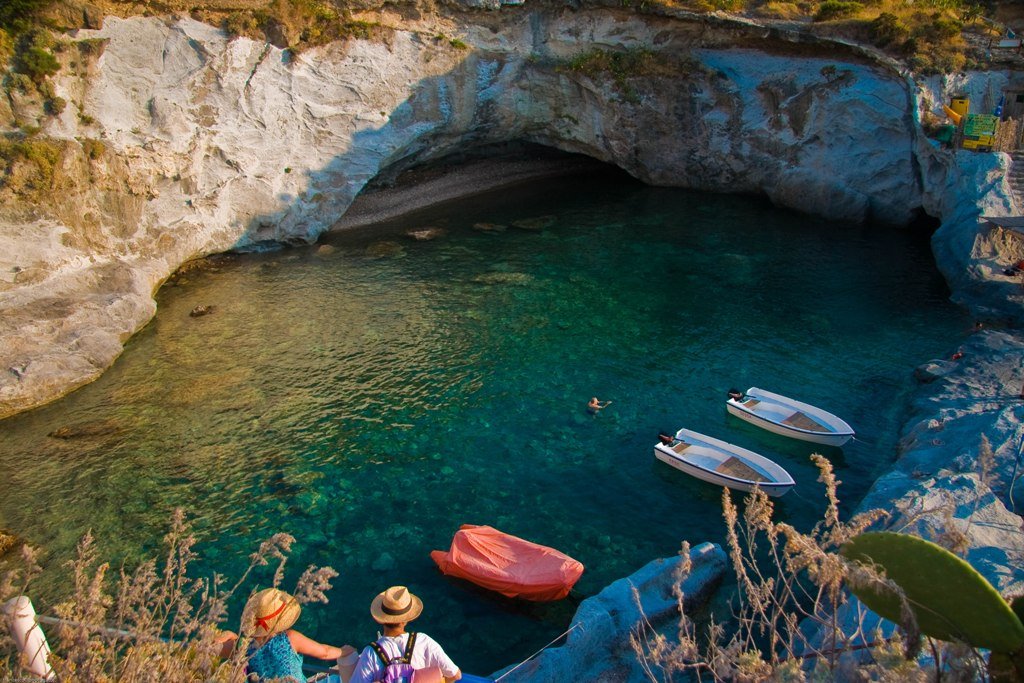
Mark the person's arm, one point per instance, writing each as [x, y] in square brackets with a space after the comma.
[226, 640]
[308, 646]
[366, 668]
[436, 656]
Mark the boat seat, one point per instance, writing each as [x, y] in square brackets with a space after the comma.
[802, 421]
[751, 403]
[680, 446]
[735, 467]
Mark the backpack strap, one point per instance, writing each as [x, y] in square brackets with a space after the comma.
[407, 655]
[384, 659]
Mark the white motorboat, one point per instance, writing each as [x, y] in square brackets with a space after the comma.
[788, 417]
[721, 463]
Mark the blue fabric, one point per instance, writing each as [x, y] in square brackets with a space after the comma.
[276, 659]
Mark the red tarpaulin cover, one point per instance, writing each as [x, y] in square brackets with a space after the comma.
[508, 564]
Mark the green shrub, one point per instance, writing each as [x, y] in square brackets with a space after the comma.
[940, 29]
[722, 5]
[91, 47]
[837, 9]
[887, 30]
[55, 105]
[6, 46]
[361, 30]
[37, 64]
[17, 15]
[93, 149]
[622, 66]
[33, 162]
[240, 24]
[20, 82]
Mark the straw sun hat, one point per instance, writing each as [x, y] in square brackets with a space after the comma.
[269, 612]
[396, 605]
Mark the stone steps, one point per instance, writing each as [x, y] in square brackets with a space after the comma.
[1015, 176]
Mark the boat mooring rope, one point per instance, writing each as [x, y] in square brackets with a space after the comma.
[556, 639]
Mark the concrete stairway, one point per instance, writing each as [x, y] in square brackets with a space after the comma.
[1016, 178]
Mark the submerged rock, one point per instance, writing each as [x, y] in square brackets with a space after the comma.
[87, 430]
[9, 543]
[200, 311]
[503, 278]
[426, 234]
[534, 224]
[490, 227]
[932, 370]
[385, 250]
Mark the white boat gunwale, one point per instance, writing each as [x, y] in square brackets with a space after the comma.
[839, 432]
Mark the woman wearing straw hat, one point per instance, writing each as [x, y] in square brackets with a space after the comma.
[276, 649]
[393, 609]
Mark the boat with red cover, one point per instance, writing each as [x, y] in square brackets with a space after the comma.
[509, 565]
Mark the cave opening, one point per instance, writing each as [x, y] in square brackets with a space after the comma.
[415, 183]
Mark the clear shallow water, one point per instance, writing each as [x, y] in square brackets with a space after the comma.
[371, 400]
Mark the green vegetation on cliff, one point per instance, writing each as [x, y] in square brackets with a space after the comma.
[928, 34]
[300, 24]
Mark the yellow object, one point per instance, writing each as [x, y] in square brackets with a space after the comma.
[953, 115]
[980, 132]
[961, 105]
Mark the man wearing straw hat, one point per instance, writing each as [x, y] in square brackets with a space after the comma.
[393, 609]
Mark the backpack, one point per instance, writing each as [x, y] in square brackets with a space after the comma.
[399, 669]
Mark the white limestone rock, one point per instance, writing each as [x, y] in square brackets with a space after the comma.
[599, 649]
[939, 487]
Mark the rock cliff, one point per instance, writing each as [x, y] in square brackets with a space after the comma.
[211, 144]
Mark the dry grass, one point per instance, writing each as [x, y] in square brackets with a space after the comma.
[155, 623]
[927, 34]
[786, 626]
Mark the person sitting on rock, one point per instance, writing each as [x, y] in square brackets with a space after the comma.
[275, 652]
[394, 609]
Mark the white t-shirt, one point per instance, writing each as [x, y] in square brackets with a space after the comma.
[425, 653]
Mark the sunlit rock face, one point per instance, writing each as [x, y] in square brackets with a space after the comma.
[210, 144]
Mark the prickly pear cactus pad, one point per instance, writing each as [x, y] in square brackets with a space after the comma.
[949, 598]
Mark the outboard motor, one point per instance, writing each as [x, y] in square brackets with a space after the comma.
[736, 394]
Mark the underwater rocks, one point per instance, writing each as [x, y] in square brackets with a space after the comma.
[426, 234]
[9, 543]
[87, 430]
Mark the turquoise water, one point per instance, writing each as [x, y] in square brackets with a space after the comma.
[372, 399]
